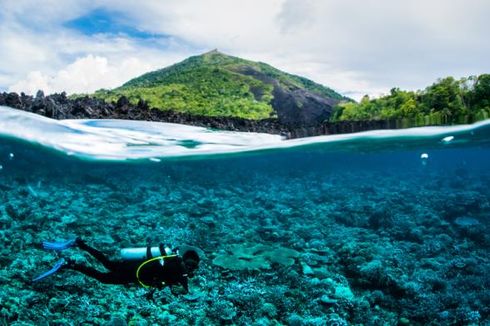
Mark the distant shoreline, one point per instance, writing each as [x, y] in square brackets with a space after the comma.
[59, 106]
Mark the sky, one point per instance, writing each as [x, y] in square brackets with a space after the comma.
[356, 47]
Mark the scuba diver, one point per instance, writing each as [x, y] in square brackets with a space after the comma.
[151, 267]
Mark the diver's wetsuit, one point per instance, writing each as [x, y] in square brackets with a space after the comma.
[168, 271]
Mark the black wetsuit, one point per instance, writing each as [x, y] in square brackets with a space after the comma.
[168, 271]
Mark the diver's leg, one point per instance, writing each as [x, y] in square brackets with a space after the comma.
[110, 265]
[106, 278]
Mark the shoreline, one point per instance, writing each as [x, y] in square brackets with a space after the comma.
[60, 107]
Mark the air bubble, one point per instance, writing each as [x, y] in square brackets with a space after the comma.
[447, 139]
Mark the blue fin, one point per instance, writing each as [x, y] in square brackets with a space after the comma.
[53, 270]
[59, 245]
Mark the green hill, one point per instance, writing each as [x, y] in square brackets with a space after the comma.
[215, 84]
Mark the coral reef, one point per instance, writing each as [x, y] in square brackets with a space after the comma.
[316, 241]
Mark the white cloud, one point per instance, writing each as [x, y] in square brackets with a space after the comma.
[359, 46]
[58, 59]
[354, 46]
[86, 74]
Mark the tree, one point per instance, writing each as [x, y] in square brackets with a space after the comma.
[446, 101]
[480, 98]
[409, 108]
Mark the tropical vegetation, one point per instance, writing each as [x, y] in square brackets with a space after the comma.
[214, 84]
[446, 101]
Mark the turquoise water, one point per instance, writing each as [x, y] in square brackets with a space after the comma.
[335, 230]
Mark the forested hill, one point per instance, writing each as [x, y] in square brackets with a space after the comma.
[218, 85]
[446, 101]
[220, 91]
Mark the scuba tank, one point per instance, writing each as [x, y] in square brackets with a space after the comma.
[144, 253]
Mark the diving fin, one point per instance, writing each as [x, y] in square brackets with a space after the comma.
[53, 270]
[58, 246]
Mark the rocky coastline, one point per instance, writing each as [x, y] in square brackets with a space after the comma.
[60, 106]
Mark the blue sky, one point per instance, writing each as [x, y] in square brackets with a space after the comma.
[105, 21]
[354, 46]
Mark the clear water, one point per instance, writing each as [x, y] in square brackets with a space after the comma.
[380, 235]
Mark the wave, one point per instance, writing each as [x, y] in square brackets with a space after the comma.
[119, 140]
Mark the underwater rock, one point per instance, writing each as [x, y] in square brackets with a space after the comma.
[193, 297]
[269, 310]
[222, 310]
[297, 320]
[341, 291]
[5, 187]
[68, 219]
[166, 318]
[335, 319]
[116, 321]
[466, 221]
[242, 257]
[344, 292]
[16, 214]
[372, 270]
[472, 228]
[307, 270]
[327, 301]
[5, 220]
[209, 221]
[57, 304]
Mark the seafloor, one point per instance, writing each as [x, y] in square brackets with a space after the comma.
[294, 237]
